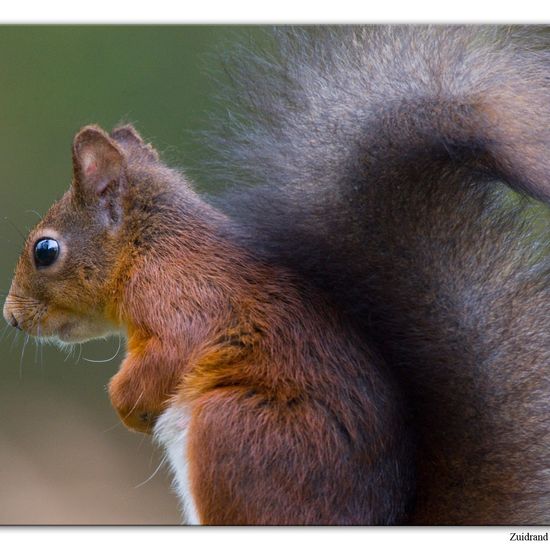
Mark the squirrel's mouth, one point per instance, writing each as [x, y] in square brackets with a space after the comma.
[24, 313]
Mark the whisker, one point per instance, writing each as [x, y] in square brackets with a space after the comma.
[153, 474]
[117, 425]
[135, 405]
[15, 338]
[16, 228]
[34, 212]
[120, 423]
[41, 345]
[110, 358]
[26, 341]
[36, 345]
[143, 438]
[71, 349]
[79, 354]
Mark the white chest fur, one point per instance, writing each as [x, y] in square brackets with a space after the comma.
[171, 432]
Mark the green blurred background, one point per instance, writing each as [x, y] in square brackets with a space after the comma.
[64, 457]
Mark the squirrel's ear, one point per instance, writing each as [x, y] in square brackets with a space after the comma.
[128, 135]
[97, 161]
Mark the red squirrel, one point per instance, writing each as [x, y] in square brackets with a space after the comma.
[289, 417]
[362, 335]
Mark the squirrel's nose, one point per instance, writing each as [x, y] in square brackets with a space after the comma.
[9, 316]
[13, 321]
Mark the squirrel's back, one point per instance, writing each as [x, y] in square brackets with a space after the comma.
[378, 157]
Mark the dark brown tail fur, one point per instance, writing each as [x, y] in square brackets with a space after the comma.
[383, 152]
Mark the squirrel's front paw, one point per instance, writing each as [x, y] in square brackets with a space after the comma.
[136, 411]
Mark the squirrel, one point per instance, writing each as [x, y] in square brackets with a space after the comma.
[356, 331]
[270, 387]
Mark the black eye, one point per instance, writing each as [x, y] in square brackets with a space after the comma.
[46, 252]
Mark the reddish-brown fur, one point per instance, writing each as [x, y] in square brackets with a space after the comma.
[293, 419]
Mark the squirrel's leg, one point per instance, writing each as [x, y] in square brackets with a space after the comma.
[245, 461]
[142, 387]
[242, 458]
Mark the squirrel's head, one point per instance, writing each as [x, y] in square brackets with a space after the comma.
[62, 283]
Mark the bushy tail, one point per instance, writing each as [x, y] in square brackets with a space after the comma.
[329, 106]
[378, 156]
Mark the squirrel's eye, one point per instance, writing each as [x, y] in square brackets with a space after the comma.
[46, 252]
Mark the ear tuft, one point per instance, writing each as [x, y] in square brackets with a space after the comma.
[129, 136]
[97, 160]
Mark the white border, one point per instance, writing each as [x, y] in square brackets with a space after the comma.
[226, 538]
[274, 11]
